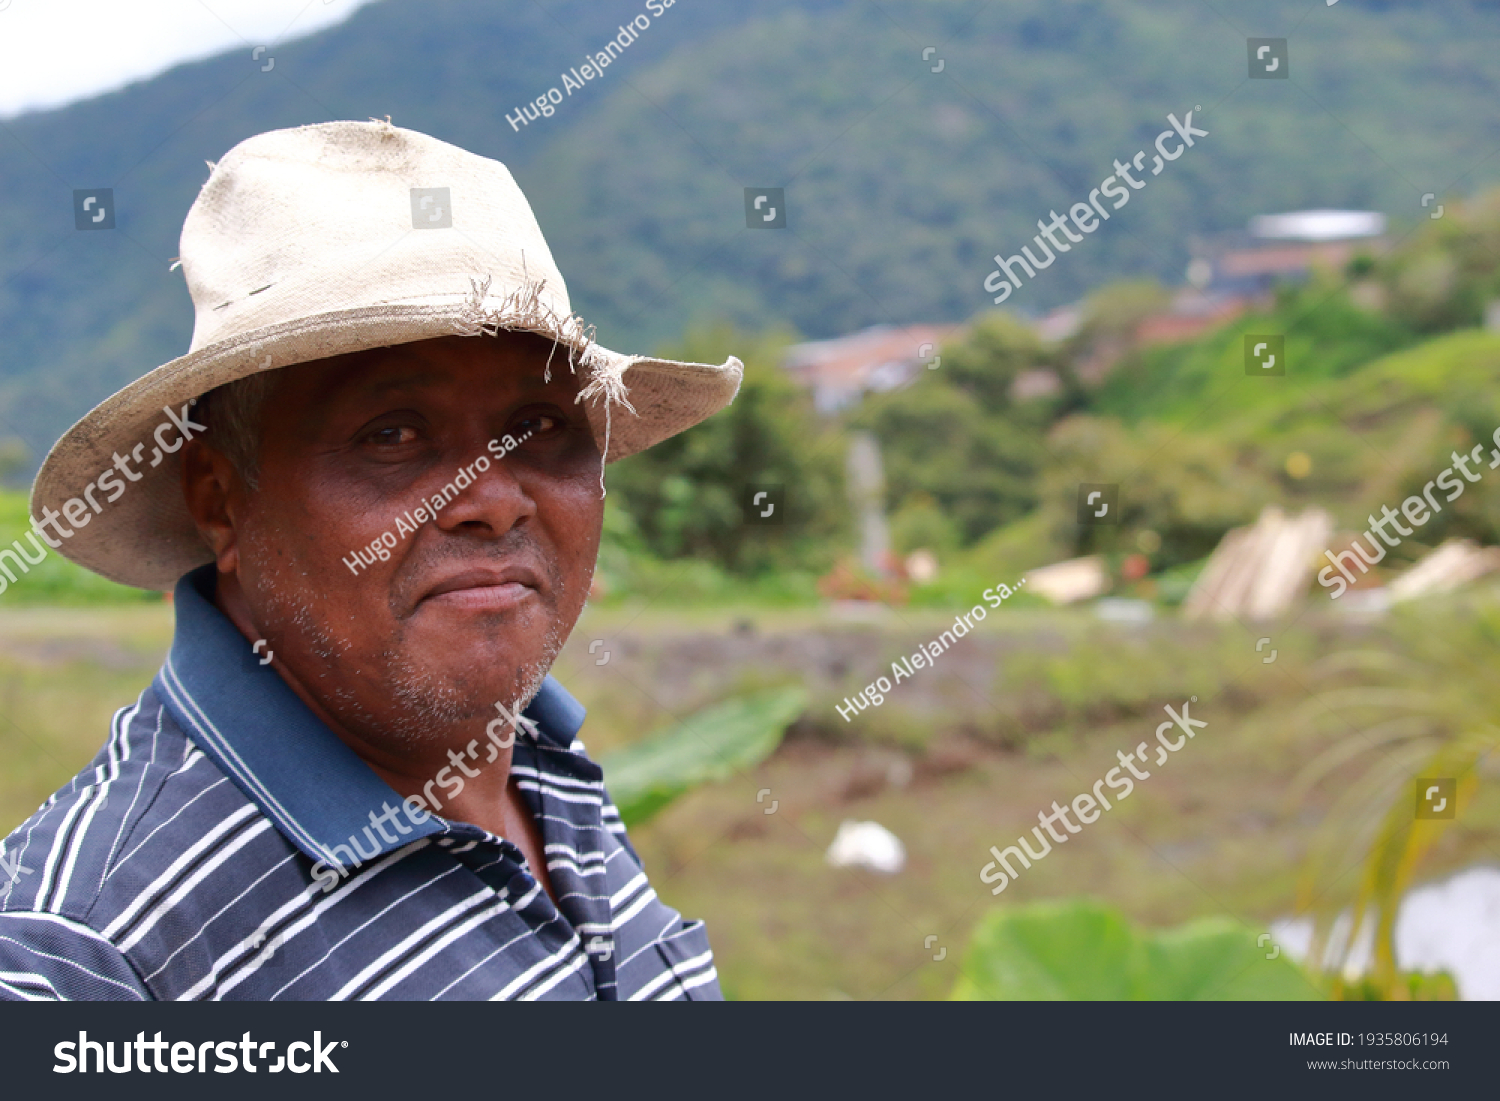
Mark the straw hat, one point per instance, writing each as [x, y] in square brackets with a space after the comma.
[323, 240]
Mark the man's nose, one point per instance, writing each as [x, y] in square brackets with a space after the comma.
[490, 495]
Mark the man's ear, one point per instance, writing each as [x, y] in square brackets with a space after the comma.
[214, 494]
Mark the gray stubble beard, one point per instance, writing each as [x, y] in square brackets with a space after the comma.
[425, 709]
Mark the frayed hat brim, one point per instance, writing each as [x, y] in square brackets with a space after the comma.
[147, 539]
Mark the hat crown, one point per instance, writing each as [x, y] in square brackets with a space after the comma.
[309, 244]
[324, 218]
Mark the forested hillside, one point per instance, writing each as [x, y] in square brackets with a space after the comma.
[900, 183]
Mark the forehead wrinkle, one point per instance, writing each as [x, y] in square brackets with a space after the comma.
[385, 378]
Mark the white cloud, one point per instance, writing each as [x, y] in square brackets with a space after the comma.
[56, 51]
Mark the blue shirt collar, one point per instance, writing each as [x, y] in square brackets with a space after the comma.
[249, 722]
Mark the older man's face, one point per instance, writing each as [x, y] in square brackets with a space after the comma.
[474, 605]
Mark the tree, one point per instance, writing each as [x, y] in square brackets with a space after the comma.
[957, 436]
[14, 456]
[688, 495]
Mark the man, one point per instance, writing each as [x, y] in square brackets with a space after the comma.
[376, 480]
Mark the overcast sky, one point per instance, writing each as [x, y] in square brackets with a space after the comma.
[56, 51]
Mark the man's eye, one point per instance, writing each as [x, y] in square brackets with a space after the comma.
[392, 437]
[537, 424]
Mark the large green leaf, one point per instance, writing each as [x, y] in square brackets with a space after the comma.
[708, 745]
[1082, 950]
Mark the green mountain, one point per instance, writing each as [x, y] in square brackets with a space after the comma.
[900, 183]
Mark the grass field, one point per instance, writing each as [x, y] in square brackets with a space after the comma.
[1029, 709]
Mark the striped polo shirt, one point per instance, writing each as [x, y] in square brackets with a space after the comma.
[191, 860]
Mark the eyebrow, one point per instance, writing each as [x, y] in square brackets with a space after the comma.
[418, 381]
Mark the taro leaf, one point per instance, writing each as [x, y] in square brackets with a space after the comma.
[708, 745]
[1083, 950]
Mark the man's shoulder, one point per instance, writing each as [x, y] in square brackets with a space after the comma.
[81, 868]
[104, 837]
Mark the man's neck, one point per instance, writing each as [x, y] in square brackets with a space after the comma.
[461, 781]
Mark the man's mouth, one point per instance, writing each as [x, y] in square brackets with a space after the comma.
[485, 589]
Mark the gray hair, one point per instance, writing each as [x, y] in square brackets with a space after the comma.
[233, 415]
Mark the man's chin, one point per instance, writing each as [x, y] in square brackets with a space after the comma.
[439, 694]
[460, 641]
